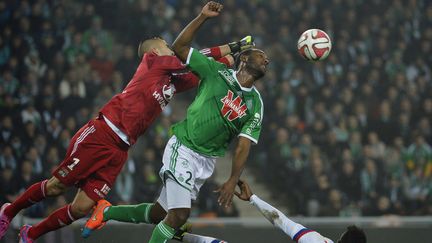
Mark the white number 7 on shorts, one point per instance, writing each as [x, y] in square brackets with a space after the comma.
[71, 166]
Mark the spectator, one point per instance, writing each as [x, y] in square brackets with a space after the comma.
[127, 63]
[34, 64]
[146, 184]
[334, 204]
[35, 159]
[8, 186]
[418, 156]
[8, 83]
[31, 115]
[6, 130]
[124, 187]
[102, 65]
[7, 158]
[371, 181]
[377, 147]
[349, 181]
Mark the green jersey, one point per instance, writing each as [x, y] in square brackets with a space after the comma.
[222, 109]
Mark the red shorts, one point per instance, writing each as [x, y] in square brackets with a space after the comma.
[94, 158]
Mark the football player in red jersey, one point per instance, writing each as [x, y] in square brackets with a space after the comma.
[97, 152]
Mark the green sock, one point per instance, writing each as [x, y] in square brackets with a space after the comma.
[139, 213]
[162, 233]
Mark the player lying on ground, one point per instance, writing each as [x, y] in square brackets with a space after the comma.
[297, 232]
[97, 152]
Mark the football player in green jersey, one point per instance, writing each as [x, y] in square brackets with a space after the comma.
[227, 105]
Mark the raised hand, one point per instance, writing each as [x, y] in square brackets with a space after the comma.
[212, 9]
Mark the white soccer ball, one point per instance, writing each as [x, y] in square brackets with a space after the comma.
[314, 45]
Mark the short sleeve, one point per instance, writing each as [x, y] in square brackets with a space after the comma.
[252, 128]
[202, 65]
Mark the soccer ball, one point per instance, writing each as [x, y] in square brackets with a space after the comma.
[314, 45]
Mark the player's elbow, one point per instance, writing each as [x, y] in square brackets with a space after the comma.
[243, 146]
[177, 47]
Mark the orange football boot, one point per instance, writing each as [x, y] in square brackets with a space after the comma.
[96, 220]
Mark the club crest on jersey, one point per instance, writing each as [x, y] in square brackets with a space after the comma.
[232, 108]
[168, 91]
[167, 94]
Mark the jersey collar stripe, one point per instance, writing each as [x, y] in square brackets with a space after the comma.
[262, 104]
[189, 55]
[299, 234]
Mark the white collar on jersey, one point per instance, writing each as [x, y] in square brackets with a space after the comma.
[242, 87]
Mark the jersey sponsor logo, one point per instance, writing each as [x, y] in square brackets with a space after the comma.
[165, 96]
[227, 76]
[98, 193]
[103, 191]
[232, 108]
[63, 172]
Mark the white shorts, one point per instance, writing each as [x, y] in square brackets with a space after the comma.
[174, 196]
[187, 167]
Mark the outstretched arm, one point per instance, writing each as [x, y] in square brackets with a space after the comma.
[183, 42]
[296, 231]
[238, 163]
[276, 217]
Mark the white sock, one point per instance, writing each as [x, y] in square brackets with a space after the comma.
[276, 217]
[192, 238]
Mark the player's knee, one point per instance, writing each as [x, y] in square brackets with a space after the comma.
[179, 216]
[54, 187]
[80, 210]
[157, 214]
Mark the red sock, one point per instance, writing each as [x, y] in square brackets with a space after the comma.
[214, 52]
[56, 220]
[35, 193]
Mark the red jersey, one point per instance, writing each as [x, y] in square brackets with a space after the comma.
[149, 91]
[151, 88]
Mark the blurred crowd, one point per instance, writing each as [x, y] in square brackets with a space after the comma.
[347, 136]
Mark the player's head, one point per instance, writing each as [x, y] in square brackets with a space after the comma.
[154, 45]
[353, 234]
[254, 61]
